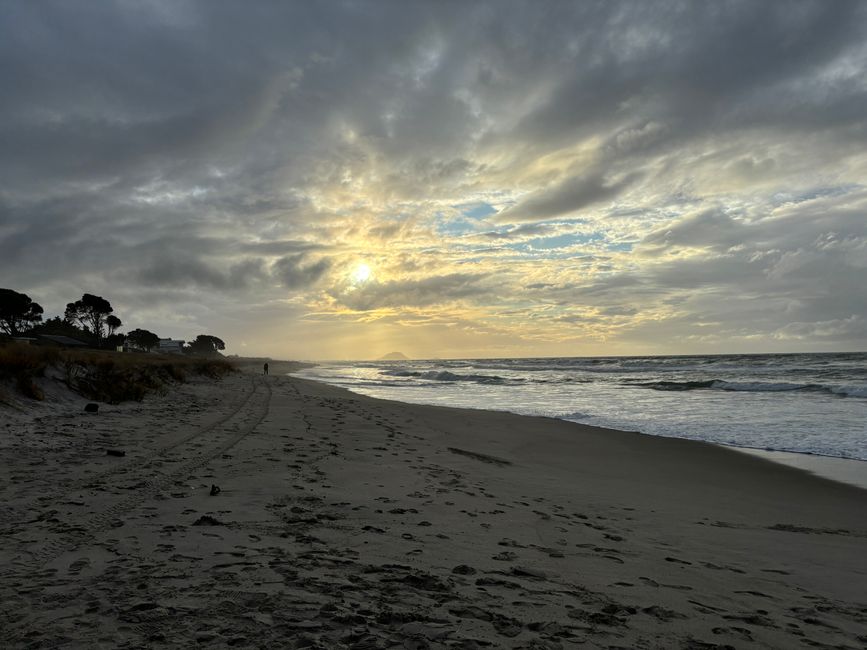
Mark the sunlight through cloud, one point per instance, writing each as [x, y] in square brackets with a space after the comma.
[361, 274]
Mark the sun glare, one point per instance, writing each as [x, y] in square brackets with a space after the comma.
[361, 274]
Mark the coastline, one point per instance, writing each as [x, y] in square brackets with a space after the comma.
[848, 471]
[347, 521]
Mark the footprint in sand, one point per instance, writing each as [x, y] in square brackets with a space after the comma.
[510, 542]
[505, 556]
[662, 613]
[741, 632]
[464, 569]
[76, 567]
[716, 567]
[754, 593]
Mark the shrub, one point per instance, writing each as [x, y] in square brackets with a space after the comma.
[23, 364]
[104, 376]
[27, 387]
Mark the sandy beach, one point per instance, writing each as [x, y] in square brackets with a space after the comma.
[271, 511]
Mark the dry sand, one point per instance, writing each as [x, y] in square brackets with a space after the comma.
[344, 521]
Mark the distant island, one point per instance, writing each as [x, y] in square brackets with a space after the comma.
[394, 356]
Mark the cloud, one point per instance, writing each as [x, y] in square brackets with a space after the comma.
[523, 232]
[279, 247]
[184, 272]
[297, 272]
[852, 328]
[566, 197]
[699, 168]
[413, 292]
[710, 228]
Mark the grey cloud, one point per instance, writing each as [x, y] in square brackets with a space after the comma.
[694, 65]
[390, 231]
[636, 138]
[178, 144]
[620, 310]
[520, 232]
[280, 247]
[413, 293]
[619, 284]
[711, 227]
[791, 277]
[188, 271]
[566, 197]
[298, 272]
[852, 328]
[827, 224]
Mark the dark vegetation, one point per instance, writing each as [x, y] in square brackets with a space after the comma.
[207, 346]
[89, 320]
[92, 314]
[143, 340]
[101, 375]
[17, 312]
[94, 368]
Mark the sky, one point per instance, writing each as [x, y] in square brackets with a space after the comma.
[340, 180]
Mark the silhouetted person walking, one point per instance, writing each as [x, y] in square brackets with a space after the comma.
[266, 369]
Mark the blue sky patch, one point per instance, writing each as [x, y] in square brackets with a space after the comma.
[477, 210]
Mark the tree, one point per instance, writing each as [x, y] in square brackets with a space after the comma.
[112, 323]
[143, 339]
[60, 327]
[90, 313]
[206, 345]
[18, 312]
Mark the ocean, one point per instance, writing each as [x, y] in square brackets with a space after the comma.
[802, 403]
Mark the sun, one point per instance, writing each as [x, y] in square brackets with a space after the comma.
[361, 273]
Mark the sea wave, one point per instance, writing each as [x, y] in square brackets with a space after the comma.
[752, 387]
[574, 416]
[849, 391]
[446, 376]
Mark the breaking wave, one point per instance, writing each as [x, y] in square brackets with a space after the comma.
[446, 376]
[752, 387]
[806, 403]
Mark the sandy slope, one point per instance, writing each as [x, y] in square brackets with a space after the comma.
[344, 521]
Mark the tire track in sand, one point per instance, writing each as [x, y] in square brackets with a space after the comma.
[11, 515]
[104, 520]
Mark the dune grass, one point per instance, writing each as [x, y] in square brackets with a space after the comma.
[103, 376]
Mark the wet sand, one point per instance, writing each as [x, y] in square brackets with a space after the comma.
[277, 512]
[842, 470]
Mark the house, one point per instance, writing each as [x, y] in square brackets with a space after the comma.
[170, 346]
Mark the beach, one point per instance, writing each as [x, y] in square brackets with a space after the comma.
[274, 511]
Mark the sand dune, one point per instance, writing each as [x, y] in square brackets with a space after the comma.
[276, 512]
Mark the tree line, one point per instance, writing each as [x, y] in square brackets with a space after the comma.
[90, 319]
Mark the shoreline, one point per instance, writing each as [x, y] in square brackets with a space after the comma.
[340, 520]
[847, 471]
